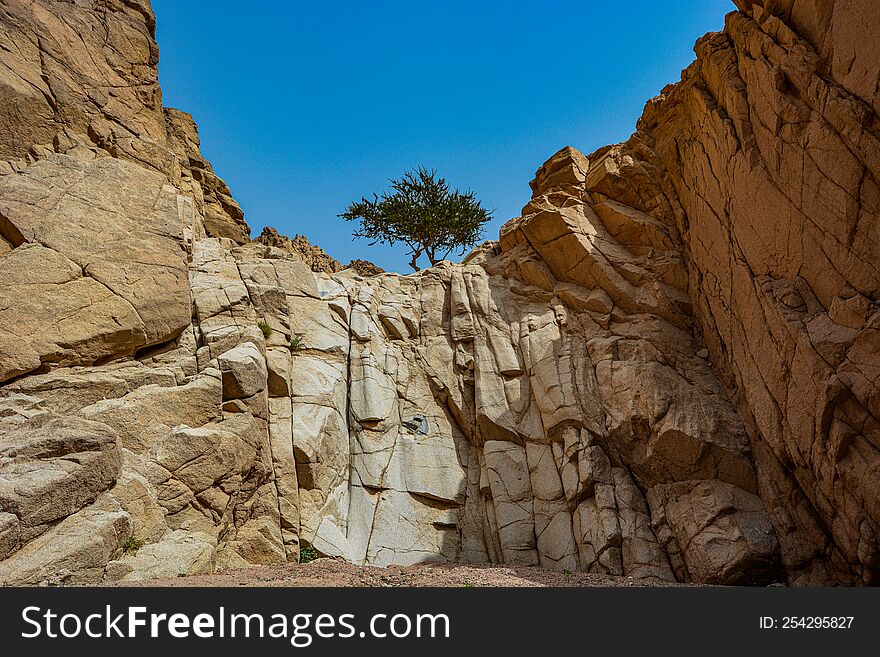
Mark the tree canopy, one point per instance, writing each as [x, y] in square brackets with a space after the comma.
[422, 212]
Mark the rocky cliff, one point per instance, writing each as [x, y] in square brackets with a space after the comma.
[666, 367]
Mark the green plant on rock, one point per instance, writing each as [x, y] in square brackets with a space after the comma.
[265, 328]
[422, 212]
[307, 553]
[296, 342]
[132, 545]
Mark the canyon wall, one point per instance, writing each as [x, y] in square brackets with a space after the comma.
[666, 368]
[770, 148]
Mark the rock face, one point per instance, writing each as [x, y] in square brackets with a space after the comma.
[81, 78]
[667, 367]
[97, 267]
[766, 160]
[314, 256]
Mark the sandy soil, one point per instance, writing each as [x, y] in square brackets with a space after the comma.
[332, 572]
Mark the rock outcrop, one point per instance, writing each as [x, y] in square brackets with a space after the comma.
[768, 153]
[97, 267]
[666, 368]
[314, 256]
[81, 78]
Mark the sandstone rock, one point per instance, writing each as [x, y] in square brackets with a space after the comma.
[508, 475]
[74, 551]
[567, 167]
[851, 313]
[198, 458]
[737, 202]
[51, 467]
[666, 368]
[10, 534]
[243, 371]
[314, 256]
[222, 215]
[146, 415]
[67, 390]
[724, 533]
[364, 267]
[284, 468]
[81, 78]
[135, 494]
[99, 270]
[555, 540]
[180, 553]
[88, 66]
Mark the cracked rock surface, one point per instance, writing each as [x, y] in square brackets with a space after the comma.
[666, 369]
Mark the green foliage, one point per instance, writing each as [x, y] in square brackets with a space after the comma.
[132, 545]
[296, 342]
[307, 553]
[422, 213]
[265, 328]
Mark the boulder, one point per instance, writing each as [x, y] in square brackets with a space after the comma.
[75, 551]
[98, 270]
[51, 467]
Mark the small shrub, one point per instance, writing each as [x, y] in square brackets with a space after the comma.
[265, 328]
[566, 571]
[307, 553]
[296, 342]
[132, 545]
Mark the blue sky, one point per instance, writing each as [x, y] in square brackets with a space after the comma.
[305, 106]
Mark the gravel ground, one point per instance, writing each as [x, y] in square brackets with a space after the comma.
[333, 572]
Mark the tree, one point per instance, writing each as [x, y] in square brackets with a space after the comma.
[422, 212]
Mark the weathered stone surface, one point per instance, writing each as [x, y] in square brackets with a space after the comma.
[765, 160]
[243, 371]
[10, 534]
[567, 168]
[314, 256]
[99, 268]
[723, 532]
[179, 553]
[284, 467]
[221, 214]
[146, 415]
[85, 66]
[51, 467]
[81, 78]
[534, 394]
[67, 390]
[508, 475]
[666, 368]
[74, 551]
